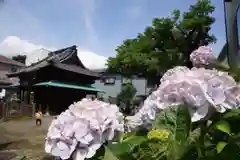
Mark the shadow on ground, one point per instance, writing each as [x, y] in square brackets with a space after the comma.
[48, 158]
[25, 136]
[4, 146]
[13, 145]
[7, 155]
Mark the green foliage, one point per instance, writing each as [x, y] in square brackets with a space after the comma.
[125, 98]
[223, 126]
[234, 72]
[166, 43]
[109, 155]
[170, 138]
[174, 137]
[221, 146]
[128, 145]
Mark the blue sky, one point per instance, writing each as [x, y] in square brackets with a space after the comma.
[96, 25]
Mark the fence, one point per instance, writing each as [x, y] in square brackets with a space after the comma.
[14, 110]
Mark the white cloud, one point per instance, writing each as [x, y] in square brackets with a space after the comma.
[92, 60]
[37, 55]
[13, 45]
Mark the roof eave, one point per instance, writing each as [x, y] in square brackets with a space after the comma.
[88, 73]
[13, 74]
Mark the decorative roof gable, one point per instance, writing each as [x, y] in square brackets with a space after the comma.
[65, 59]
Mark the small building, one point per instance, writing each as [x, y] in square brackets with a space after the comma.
[112, 84]
[8, 65]
[56, 81]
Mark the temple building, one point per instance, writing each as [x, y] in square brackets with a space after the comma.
[56, 81]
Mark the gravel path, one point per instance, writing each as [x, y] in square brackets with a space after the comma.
[25, 136]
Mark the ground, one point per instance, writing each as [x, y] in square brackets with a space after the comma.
[25, 136]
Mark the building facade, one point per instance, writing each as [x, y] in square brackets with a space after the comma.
[56, 81]
[112, 84]
[8, 65]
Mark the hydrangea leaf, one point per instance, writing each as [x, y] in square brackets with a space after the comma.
[220, 146]
[178, 146]
[127, 145]
[194, 136]
[223, 126]
[109, 155]
[177, 121]
[166, 120]
[232, 113]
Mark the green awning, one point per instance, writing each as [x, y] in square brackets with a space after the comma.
[11, 86]
[67, 85]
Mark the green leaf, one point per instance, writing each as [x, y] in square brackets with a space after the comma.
[232, 113]
[127, 145]
[229, 152]
[223, 126]
[166, 119]
[109, 155]
[194, 136]
[179, 141]
[183, 124]
[151, 150]
[221, 146]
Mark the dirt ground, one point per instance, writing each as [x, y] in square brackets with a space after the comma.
[25, 136]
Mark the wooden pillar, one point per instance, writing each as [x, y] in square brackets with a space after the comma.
[33, 110]
[47, 110]
[23, 95]
[19, 93]
[28, 95]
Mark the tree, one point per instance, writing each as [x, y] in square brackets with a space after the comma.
[20, 58]
[166, 43]
[125, 98]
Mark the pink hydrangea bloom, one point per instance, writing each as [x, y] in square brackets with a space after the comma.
[203, 90]
[81, 130]
[202, 56]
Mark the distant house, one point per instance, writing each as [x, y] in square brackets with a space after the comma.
[112, 84]
[8, 65]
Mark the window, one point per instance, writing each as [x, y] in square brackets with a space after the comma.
[109, 80]
[13, 69]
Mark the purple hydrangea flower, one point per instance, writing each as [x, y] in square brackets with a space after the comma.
[203, 90]
[81, 130]
[202, 56]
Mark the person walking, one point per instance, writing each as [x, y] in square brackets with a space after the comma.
[38, 117]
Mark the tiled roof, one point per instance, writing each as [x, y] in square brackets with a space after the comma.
[6, 60]
[56, 58]
[76, 69]
[5, 80]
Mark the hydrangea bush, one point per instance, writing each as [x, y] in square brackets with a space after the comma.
[82, 129]
[193, 114]
[203, 90]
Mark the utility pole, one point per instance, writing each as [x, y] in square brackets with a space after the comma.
[232, 19]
